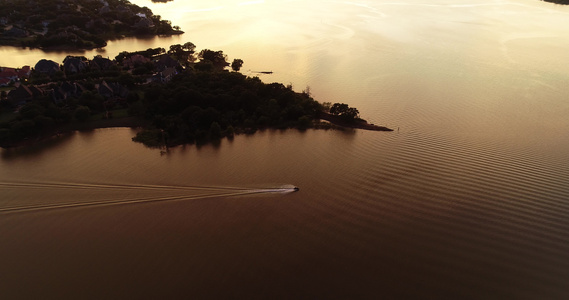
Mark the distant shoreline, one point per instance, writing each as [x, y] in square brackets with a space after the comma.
[77, 25]
[134, 122]
[124, 122]
[10, 43]
[561, 2]
[66, 47]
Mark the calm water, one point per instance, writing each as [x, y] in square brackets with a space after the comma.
[468, 199]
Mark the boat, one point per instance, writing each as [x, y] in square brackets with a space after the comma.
[296, 189]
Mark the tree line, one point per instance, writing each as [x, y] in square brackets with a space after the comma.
[201, 106]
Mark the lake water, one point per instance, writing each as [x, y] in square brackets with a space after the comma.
[467, 198]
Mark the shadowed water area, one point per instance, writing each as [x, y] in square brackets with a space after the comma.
[467, 198]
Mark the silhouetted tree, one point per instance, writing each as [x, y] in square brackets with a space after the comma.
[217, 58]
[215, 131]
[230, 131]
[237, 64]
[344, 111]
[183, 53]
[82, 113]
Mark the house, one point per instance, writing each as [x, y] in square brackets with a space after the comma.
[105, 90]
[24, 72]
[168, 74]
[36, 91]
[101, 63]
[165, 75]
[16, 32]
[165, 61]
[105, 9]
[57, 95]
[135, 61]
[5, 81]
[144, 23]
[7, 75]
[119, 90]
[20, 95]
[72, 88]
[112, 90]
[48, 67]
[67, 90]
[74, 64]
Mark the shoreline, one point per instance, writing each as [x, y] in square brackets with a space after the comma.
[357, 124]
[17, 43]
[134, 122]
[125, 122]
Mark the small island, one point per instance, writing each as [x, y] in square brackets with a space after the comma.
[178, 96]
[76, 24]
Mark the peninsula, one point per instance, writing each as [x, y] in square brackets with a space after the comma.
[177, 95]
[76, 24]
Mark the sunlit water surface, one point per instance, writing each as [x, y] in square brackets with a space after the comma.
[467, 198]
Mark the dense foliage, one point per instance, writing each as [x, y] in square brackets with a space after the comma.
[346, 113]
[200, 106]
[76, 23]
[202, 102]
